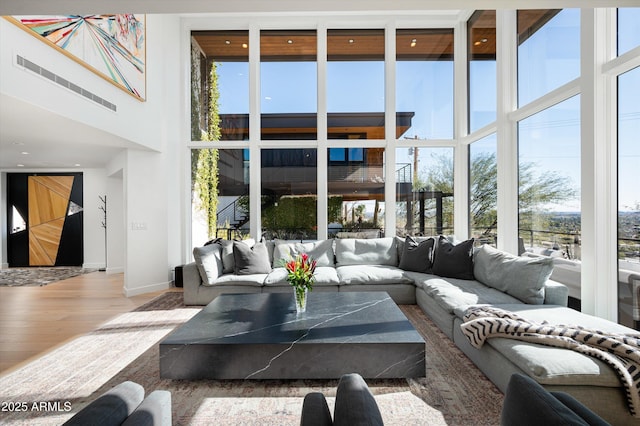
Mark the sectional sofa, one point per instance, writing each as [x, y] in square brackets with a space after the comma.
[445, 280]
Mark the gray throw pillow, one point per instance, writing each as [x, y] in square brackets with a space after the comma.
[209, 262]
[417, 255]
[226, 253]
[251, 260]
[521, 277]
[453, 261]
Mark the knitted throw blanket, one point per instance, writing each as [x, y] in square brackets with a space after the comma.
[620, 351]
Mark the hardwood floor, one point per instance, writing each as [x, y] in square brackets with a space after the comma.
[34, 320]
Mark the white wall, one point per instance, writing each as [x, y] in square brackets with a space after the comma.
[116, 226]
[94, 184]
[152, 180]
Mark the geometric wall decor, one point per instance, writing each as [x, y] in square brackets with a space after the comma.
[112, 46]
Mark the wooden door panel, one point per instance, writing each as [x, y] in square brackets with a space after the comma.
[44, 241]
[48, 205]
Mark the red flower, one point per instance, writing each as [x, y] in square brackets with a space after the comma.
[300, 271]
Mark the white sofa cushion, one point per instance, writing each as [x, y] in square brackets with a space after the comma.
[374, 251]
[325, 275]
[372, 275]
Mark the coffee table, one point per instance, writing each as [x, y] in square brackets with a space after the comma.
[260, 336]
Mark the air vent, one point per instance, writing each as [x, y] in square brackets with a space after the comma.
[27, 64]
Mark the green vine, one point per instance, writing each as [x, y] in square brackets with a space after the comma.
[207, 169]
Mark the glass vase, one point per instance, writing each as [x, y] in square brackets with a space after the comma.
[300, 295]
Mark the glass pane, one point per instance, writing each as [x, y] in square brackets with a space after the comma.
[549, 181]
[220, 61]
[220, 207]
[483, 190]
[18, 224]
[355, 84]
[629, 197]
[628, 29]
[481, 48]
[356, 192]
[544, 63]
[288, 84]
[424, 84]
[424, 191]
[289, 193]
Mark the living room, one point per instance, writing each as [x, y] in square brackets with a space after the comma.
[139, 156]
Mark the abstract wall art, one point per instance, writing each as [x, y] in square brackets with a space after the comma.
[112, 46]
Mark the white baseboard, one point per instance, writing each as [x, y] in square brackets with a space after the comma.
[146, 289]
[93, 265]
[4, 266]
[115, 270]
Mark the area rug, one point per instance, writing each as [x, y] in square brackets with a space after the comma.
[454, 391]
[39, 276]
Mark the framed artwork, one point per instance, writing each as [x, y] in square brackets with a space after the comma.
[112, 46]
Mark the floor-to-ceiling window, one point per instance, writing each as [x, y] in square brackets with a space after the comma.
[424, 117]
[628, 126]
[219, 113]
[549, 138]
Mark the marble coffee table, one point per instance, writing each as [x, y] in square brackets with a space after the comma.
[260, 336]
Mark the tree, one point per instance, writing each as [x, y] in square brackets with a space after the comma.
[536, 191]
[206, 174]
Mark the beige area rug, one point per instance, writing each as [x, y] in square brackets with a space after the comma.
[454, 392]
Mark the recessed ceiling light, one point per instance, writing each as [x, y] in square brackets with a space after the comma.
[289, 41]
[20, 165]
[227, 42]
[413, 42]
[77, 165]
[245, 45]
[24, 153]
[351, 41]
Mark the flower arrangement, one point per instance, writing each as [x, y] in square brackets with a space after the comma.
[300, 274]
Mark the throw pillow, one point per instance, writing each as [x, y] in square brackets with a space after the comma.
[360, 251]
[453, 261]
[417, 256]
[522, 277]
[251, 260]
[209, 262]
[226, 253]
[321, 251]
